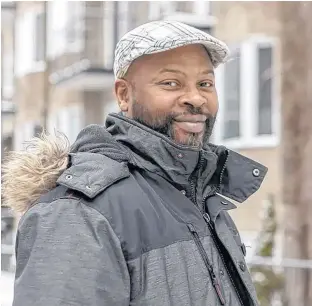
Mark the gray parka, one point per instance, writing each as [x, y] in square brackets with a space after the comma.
[137, 220]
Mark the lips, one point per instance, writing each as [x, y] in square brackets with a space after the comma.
[191, 123]
[191, 127]
[191, 118]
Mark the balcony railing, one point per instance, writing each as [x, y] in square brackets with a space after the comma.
[87, 60]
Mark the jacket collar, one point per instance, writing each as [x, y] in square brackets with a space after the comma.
[157, 153]
[126, 142]
[234, 175]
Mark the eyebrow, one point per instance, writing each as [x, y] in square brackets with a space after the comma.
[164, 70]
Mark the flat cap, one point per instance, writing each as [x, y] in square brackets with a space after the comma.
[160, 36]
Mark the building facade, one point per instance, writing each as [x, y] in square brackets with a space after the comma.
[8, 112]
[249, 92]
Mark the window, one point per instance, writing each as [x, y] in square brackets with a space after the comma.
[184, 6]
[57, 19]
[39, 38]
[232, 98]
[248, 112]
[109, 33]
[264, 91]
[75, 26]
[123, 18]
[159, 9]
[116, 22]
[7, 67]
[7, 76]
[65, 27]
[193, 13]
[29, 39]
[202, 8]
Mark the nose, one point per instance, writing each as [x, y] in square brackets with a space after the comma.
[193, 97]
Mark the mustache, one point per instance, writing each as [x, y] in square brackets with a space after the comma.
[191, 110]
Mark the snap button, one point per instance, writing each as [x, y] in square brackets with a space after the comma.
[68, 177]
[88, 187]
[242, 266]
[180, 155]
[256, 172]
[235, 232]
[183, 192]
[244, 249]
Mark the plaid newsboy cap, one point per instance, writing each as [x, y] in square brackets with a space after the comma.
[159, 36]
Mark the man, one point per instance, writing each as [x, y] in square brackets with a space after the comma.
[136, 213]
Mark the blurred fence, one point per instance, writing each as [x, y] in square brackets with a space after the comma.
[268, 275]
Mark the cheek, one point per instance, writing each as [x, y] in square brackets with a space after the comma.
[156, 101]
[213, 104]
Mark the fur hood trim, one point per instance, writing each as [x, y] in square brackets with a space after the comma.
[28, 174]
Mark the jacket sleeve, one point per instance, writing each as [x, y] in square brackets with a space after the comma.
[68, 254]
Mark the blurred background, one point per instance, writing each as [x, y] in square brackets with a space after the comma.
[56, 67]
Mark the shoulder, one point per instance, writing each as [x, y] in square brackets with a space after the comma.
[82, 185]
[92, 173]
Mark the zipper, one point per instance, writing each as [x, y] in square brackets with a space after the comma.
[214, 279]
[207, 219]
[212, 231]
[214, 191]
[222, 171]
[211, 227]
[193, 184]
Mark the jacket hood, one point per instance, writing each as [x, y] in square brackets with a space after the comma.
[48, 160]
[28, 174]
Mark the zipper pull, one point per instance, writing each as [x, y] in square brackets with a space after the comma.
[191, 228]
[217, 287]
[207, 218]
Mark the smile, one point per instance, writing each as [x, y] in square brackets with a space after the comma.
[191, 127]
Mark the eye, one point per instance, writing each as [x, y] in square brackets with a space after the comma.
[206, 84]
[170, 84]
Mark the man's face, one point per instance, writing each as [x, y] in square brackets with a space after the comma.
[172, 92]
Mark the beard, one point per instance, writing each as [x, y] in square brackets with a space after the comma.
[164, 123]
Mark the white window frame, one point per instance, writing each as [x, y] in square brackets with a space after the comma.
[56, 35]
[123, 16]
[200, 16]
[58, 43]
[7, 74]
[108, 33]
[35, 39]
[249, 98]
[202, 8]
[25, 44]
[40, 65]
[79, 19]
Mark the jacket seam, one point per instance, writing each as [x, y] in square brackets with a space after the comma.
[164, 246]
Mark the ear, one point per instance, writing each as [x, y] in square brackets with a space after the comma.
[123, 94]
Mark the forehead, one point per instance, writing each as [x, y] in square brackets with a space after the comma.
[187, 57]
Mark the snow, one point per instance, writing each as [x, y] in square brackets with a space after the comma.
[6, 288]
